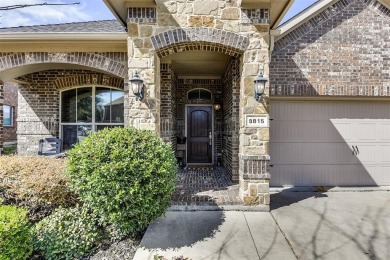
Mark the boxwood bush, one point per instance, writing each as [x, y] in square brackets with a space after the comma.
[66, 234]
[125, 176]
[15, 236]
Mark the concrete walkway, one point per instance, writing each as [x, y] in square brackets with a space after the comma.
[301, 225]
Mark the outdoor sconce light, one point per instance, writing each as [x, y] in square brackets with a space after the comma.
[260, 86]
[217, 107]
[137, 85]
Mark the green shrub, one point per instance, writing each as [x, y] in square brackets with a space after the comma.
[15, 236]
[66, 234]
[36, 182]
[125, 176]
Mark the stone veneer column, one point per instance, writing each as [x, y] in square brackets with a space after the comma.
[143, 114]
[1, 117]
[254, 142]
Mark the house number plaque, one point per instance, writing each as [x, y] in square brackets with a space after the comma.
[257, 121]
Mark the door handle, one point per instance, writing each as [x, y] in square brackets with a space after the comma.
[210, 139]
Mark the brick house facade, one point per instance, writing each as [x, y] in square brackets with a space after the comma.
[11, 100]
[335, 49]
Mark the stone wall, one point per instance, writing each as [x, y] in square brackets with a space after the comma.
[343, 51]
[230, 105]
[11, 99]
[219, 26]
[39, 101]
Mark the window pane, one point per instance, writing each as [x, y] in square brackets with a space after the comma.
[101, 127]
[7, 116]
[103, 107]
[117, 107]
[194, 94]
[204, 94]
[69, 136]
[72, 134]
[68, 110]
[84, 105]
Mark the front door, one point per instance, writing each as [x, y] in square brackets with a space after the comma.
[199, 134]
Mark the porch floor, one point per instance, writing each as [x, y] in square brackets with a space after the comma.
[205, 187]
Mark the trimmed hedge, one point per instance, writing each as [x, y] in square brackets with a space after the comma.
[124, 176]
[15, 236]
[66, 234]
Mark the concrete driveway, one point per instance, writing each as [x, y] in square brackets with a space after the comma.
[335, 225]
[301, 225]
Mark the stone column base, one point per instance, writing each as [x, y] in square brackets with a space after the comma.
[254, 180]
[254, 192]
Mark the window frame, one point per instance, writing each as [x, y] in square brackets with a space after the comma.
[12, 109]
[93, 124]
[199, 90]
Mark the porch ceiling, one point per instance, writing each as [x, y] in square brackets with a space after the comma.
[198, 63]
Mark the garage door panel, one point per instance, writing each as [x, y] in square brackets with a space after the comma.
[311, 153]
[383, 153]
[367, 153]
[363, 130]
[379, 173]
[311, 143]
[321, 175]
[315, 131]
[384, 132]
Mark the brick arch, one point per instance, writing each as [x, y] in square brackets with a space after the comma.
[94, 79]
[113, 63]
[206, 39]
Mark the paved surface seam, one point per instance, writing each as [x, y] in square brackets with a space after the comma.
[250, 232]
[284, 235]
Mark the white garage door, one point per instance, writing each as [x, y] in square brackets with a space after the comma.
[330, 144]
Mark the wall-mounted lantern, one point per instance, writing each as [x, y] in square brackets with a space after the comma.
[137, 85]
[260, 82]
[217, 107]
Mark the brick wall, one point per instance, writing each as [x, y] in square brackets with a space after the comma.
[230, 104]
[1, 117]
[168, 105]
[343, 51]
[11, 99]
[38, 102]
[111, 62]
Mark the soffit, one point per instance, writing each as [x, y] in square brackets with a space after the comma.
[197, 63]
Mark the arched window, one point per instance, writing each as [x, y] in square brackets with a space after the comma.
[89, 109]
[199, 93]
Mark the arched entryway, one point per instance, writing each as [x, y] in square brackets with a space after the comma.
[203, 131]
[43, 79]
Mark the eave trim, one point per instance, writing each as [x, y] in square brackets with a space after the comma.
[63, 36]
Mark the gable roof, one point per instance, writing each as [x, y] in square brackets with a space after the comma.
[78, 27]
[307, 14]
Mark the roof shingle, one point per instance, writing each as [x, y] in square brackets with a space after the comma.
[92, 26]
